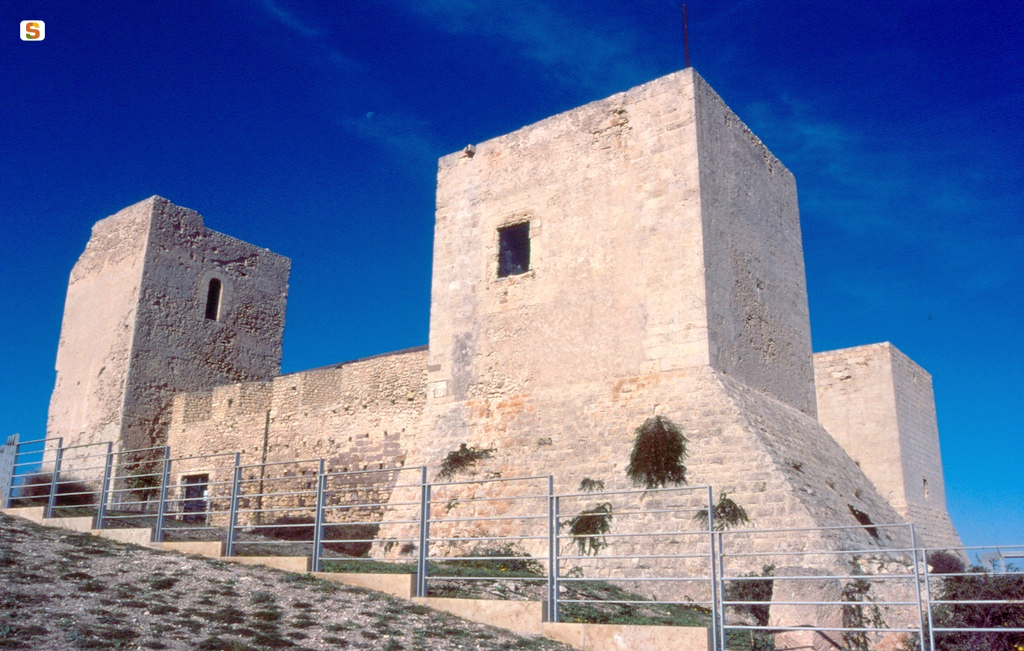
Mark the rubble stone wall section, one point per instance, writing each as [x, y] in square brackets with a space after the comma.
[357, 416]
[136, 328]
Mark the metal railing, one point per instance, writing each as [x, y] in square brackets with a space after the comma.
[861, 594]
[496, 530]
[656, 552]
[666, 550]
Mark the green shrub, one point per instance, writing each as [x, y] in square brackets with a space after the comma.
[589, 527]
[499, 560]
[979, 585]
[758, 587]
[659, 450]
[459, 460]
[728, 514]
[943, 562]
[70, 492]
[300, 529]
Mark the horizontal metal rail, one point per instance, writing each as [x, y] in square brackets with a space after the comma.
[698, 560]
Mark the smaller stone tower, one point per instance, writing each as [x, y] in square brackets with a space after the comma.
[158, 304]
[879, 405]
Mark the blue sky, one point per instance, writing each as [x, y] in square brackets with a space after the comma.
[313, 128]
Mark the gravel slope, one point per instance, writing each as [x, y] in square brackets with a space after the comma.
[60, 590]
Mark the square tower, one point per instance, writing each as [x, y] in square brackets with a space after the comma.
[879, 405]
[645, 233]
[157, 304]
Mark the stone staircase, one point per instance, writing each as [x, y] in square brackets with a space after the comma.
[525, 617]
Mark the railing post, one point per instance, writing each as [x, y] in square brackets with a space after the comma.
[318, 521]
[236, 482]
[8, 464]
[926, 578]
[108, 465]
[917, 584]
[717, 611]
[421, 564]
[161, 506]
[553, 569]
[51, 503]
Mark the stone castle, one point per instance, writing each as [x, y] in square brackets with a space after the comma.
[637, 256]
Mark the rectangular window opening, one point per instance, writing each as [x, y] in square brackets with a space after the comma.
[213, 300]
[514, 250]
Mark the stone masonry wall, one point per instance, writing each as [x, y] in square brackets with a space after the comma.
[757, 313]
[771, 458]
[176, 347]
[615, 287]
[356, 416]
[879, 405]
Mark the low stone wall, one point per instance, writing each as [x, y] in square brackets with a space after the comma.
[356, 416]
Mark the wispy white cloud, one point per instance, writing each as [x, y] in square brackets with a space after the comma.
[888, 195]
[313, 35]
[288, 19]
[575, 50]
[400, 131]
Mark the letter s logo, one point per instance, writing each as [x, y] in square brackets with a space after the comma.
[33, 30]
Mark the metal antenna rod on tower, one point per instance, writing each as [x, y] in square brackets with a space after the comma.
[686, 37]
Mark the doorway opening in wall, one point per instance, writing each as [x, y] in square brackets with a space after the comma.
[514, 250]
[195, 504]
[213, 300]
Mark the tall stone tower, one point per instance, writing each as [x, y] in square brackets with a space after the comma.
[157, 304]
[879, 405]
[639, 255]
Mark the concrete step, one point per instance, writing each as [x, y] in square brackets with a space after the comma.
[33, 513]
[142, 536]
[81, 524]
[209, 548]
[626, 637]
[299, 564]
[399, 585]
[525, 617]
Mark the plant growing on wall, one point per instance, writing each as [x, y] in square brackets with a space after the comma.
[590, 526]
[659, 450]
[459, 460]
[753, 588]
[728, 514]
[862, 611]
[143, 478]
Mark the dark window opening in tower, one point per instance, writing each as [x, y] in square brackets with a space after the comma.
[213, 300]
[514, 250]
